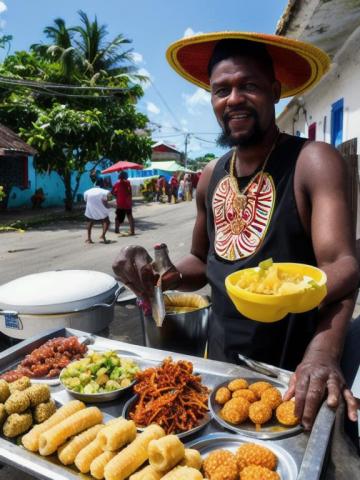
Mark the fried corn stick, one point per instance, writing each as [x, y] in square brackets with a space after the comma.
[147, 473]
[87, 455]
[97, 466]
[183, 473]
[117, 434]
[31, 439]
[69, 450]
[134, 455]
[165, 453]
[58, 434]
[192, 458]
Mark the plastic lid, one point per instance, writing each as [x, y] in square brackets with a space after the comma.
[57, 291]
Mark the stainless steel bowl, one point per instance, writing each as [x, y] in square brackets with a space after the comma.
[98, 397]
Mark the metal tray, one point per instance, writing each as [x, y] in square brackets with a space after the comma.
[131, 402]
[286, 467]
[270, 430]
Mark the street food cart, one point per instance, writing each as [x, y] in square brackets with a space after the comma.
[303, 454]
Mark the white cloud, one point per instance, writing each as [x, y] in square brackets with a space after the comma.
[137, 57]
[200, 98]
[145, 84]
[189, 32]
[152, 108]
[3, 7]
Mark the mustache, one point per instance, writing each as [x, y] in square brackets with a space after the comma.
[250, 111]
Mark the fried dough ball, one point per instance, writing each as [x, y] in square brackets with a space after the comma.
[272, 396]
[43, 411]
[18, 402]
[285, 413]
[225, 472]
[245, 393]
[38, 394]
[259, 387]
[254, 454]
[3, 413]
[217, 459]
[222, 396]
[20, 384]
[255, 472]
[260, 412]
[235, 410]
[238, 384]
[4, 391]
[16, 424]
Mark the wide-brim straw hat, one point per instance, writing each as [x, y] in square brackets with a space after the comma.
[298, 65]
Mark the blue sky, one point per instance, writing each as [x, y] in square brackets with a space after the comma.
[172, 102]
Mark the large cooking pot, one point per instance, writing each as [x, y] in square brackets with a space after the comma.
[79, 299]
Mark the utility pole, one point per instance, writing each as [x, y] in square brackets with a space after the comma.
[187, 136]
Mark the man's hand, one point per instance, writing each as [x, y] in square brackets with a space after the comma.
[317, 375]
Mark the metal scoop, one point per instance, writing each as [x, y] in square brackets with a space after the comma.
[161, 265]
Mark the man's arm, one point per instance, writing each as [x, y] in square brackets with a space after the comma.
[320, 186]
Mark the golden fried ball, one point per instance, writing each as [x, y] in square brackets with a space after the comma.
[18, 402]
[245, 393]
[255, 472]
[272, 396]
[20, 384]
[254, 454]
[285, 413]
[3, 413]
[43, 411]
[16, 424]
[237, 384]
[219, 458]
[235, 410]
[38, 394]
[260, 412]
[222, 396]
[4, 391]
[259, 387]
[226, 472]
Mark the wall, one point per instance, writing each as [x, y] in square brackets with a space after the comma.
[341, 82]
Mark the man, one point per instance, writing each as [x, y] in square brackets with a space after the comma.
[96, 199]
[173, 187]
[122, 192]
[160, 188]
[274, 196]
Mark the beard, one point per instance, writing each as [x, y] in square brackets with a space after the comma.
[253, 137]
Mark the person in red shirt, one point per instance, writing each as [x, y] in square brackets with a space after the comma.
[173, 187]
[122, 192]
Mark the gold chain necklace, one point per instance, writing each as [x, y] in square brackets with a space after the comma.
[241, 194]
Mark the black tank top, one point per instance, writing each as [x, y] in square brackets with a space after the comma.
[240, 237]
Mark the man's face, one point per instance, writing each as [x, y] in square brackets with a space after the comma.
[243, 95]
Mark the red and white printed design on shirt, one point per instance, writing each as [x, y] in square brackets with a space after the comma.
[241, 222]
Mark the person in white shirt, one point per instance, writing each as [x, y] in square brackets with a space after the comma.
[96, 199]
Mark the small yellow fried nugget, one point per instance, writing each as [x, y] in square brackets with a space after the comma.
[43, 411]
[225, 473]
[18, 402]
[38, 394]
[255, 472]
[4, 391]
[260, 412]
[97, 466]
[237, 384]
[285, 413]
[255, 454]
[16, 424]
[219, 458]
[21, 384]
[272, 396]
[235, 410]
[245, 393]
[222, 395]
[259, 387]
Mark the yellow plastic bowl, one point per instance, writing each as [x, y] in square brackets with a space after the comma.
[271, 308]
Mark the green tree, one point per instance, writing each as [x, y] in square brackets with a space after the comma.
[201, 162]
[71, 127]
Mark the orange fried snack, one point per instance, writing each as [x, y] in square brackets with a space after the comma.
[235, 410]
[272, 396]
[254, 454]
[260, 412]
[238, 384]
[220, 459]
[222, 395]
[225, 472]
[170, 395]
[259, 387]
[285, 413]
[255, 472]
[245, 393]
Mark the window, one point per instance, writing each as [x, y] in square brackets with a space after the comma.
[337, 112]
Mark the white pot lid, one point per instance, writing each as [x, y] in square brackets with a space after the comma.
[59, 291]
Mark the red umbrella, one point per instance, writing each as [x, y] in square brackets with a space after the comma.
[123, 165]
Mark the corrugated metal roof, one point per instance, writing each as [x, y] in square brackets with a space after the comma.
[11, 142]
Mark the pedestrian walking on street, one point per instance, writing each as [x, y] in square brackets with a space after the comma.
[173, 188]
[122, 192]
[96, 211]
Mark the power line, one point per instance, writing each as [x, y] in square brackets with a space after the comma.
[166, 105]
